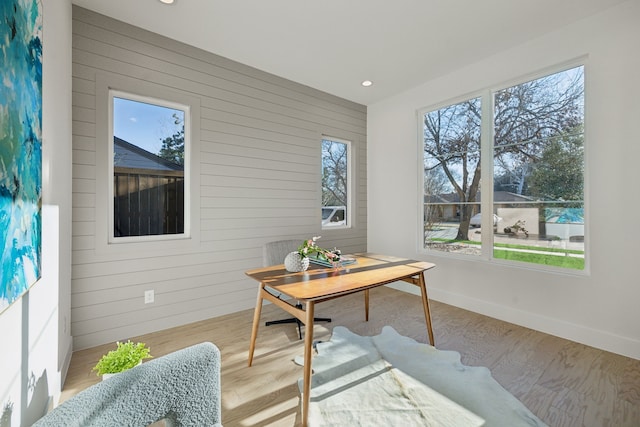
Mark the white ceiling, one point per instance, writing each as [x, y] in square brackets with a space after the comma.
[333, 45]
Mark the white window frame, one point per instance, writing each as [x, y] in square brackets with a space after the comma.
[349, 205]
[152, 245]
[486, 163]
[113, 93]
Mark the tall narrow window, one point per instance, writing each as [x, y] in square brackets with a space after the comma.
[335, 183]
[452, 177]
[535, 213]
[538, 171]
[150, 168]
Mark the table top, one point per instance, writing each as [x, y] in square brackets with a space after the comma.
[321, 283]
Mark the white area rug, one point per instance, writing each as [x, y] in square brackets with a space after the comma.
[392, 380]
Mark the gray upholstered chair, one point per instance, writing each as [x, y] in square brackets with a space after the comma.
[181, 388]
[273, 253]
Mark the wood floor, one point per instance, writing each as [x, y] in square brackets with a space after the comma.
[564, 383]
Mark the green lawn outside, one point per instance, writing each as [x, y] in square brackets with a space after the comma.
[544, 259]
[537, 248]
[531, 256]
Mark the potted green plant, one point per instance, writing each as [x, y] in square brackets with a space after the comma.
[125, 356]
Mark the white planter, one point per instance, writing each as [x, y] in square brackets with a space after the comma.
[294, 262]
[105, 376]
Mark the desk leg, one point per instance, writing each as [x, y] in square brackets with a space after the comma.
[366, 305]
[425, 304]
[256, 322]
[308, 344]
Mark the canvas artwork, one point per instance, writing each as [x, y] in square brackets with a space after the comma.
[20, 147]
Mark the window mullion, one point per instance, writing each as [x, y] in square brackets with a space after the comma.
[486, 163]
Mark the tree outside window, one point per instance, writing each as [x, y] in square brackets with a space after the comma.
[335, 182]
[535, 213]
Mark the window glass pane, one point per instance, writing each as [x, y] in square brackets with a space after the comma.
[539, 171]
[335, 186]
[451, 146]
[148, 168]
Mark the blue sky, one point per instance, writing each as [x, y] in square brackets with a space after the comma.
[144, 125]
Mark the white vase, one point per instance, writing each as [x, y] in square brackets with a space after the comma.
[294, 262]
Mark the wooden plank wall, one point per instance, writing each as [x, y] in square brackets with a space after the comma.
[259, 165]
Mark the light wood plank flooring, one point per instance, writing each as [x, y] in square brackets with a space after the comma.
[564, 383]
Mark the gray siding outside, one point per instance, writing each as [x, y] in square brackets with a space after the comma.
[259, 139]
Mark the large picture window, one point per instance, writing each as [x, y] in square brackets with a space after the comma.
[335, 183]
[149, 165]
[521, 197]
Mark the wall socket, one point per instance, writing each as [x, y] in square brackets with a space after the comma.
[148, 297]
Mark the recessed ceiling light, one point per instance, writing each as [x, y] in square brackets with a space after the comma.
[366, 83]
[167, 1]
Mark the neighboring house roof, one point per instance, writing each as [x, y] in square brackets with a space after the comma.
[498, 197]
[506, 196]
[442, 198]
[128, 155]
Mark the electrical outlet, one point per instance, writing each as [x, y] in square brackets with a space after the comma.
[148, 297]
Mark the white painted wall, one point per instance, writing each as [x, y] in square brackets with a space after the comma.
[36, 340]
[599, 308]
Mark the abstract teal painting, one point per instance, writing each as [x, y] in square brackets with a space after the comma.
[20, 147]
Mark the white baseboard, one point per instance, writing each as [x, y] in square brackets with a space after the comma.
[557, 327]
[64, 369]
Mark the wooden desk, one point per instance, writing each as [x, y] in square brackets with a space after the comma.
[320, 284]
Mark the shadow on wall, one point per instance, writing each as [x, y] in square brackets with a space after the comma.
[31, 399]
[5, 418]
[38, 399]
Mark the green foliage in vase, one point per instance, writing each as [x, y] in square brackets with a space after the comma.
[126, 356]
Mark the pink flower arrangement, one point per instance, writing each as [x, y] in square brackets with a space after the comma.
[310, 247]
